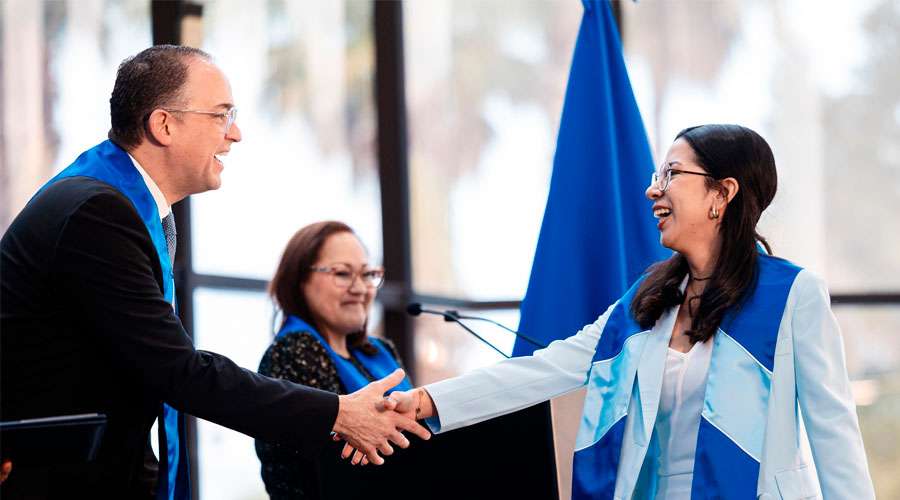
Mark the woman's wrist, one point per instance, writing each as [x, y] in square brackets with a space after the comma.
[424, 404]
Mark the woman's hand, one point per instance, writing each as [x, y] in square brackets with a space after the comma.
[368, 426]
[414, 404]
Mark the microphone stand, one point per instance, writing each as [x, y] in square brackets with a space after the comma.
[415, 309]
[456, 317]
[450, 317]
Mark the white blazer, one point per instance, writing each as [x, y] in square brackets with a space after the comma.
[809, 369]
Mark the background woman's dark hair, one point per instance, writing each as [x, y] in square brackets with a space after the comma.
[152, 79]
[723, 151]
[293, 271]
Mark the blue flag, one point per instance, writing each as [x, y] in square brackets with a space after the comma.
[598, 234]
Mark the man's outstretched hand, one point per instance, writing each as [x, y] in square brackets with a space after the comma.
[365, 423]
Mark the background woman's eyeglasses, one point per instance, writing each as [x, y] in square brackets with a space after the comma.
[344, 276]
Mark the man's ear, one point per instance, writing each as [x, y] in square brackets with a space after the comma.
[160, 127]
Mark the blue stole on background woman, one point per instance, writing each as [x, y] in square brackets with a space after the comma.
[379, 365]
[732, 423]
[109, 163]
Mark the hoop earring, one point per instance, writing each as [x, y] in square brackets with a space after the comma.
[715, 213]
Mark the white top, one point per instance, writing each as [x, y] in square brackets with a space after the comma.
[162, 206]
[678, 419]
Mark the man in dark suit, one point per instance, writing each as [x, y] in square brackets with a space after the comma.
[87, 305]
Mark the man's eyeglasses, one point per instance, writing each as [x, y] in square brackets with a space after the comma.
[229, 116]
[663, 176]
[344, 276]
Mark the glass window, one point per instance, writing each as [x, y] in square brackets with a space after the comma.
[873, 361]
[59, 62]
[237, 325]
[485, 83]
[301, 75]
[820, 85]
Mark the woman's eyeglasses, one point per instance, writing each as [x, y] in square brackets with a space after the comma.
[663, 176]
[344, 276]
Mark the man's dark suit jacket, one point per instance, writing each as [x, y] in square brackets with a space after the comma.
[84, 328]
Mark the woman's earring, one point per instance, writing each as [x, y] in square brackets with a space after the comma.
[715, 212]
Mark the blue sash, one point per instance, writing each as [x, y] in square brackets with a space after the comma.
[611, 386]
[732, 424]
[109, 163]
[379, 365]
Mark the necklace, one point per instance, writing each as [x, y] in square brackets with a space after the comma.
[700, 279]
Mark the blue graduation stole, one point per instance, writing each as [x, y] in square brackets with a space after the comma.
[379, 365]
[732, 423]
[109, 163]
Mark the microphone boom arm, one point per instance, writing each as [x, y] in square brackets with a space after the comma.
[457, 316]
[415, 309]
[460, 323]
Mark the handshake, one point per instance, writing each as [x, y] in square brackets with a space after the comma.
[369, 421]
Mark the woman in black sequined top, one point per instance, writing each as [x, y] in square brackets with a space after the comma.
[324, 288]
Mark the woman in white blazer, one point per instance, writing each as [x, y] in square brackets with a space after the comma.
[696, 374]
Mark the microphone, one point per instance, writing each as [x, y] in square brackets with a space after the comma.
[415, 309]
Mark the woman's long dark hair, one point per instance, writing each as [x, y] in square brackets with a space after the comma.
[294, 270]
[723, 151]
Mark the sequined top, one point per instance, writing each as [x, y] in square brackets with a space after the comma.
[298, 357]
